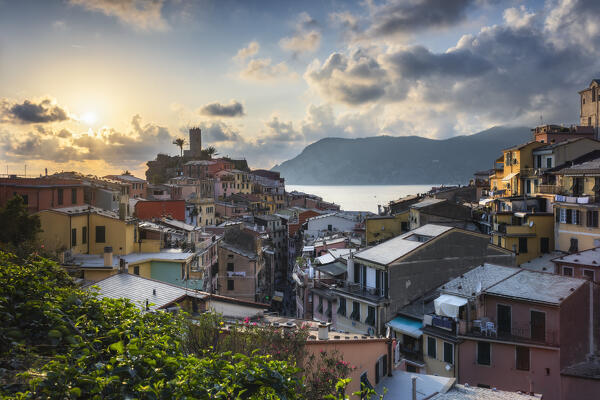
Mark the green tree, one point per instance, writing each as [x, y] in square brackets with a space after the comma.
[17, 225]
[179, 142]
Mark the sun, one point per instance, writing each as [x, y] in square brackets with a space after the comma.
[88, 118]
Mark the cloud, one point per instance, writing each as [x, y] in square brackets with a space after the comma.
[302, 42]
[233, 109]
[261, 69]
[219, 132]
[28, 112]
[248, 51]
[406, 17]
[419, 62]
[145, 15]
[306, 37]
[355, 79]
[518, 17]
[141, 143]
[59, 25]
[280, 131]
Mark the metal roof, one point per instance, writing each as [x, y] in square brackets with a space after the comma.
[139, 289]
[334, 269]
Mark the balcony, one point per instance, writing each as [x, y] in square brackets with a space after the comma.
[550, 189]
[367, 292]
[518, 333]
[514, 230]
[411, 354]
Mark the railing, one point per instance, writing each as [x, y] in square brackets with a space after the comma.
[411, 354]
[521, 333]
[443, 322]
[550, 189]
[353, 288]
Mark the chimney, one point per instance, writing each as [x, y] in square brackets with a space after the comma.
[122, 266]
[108, 254]
[122, 211]
[323, 332]
[414, 387]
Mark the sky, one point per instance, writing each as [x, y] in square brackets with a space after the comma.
[102, 86]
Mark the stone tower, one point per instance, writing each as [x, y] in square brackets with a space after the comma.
[195, 141]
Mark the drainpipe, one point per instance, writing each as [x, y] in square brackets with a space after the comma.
[591, 318]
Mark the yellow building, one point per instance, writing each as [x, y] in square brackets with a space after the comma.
[88, 230]
[440, 354]
[527, 234]
[577, 207]
[511, 171]
[241, 181]
[381, 228]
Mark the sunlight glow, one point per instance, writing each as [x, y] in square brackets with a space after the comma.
[88, 118]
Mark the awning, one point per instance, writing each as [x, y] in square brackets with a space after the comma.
[334, 269]
[520, 214]
[447, 305]
[407, 326]
[509, 177]
[483, 202]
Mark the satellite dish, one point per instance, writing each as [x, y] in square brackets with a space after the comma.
[531, 224]
[448, 367]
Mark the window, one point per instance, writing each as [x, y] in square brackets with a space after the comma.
[230, 266]
[592, 219]
[84, 235]
[25, 198]
[320, 308]
[73, 196]
[230, 285]
[588, 273]
[100, 234]
[574, 247]
[448, 353]
[545, 245]
[563, 215]
[342, 308]
[329, 227]
[136, 270]
[60, 196]
[548, 162]
[431, 347]
[484, 353]
[73, 237]
[538, 161]
[567, 271]
[370, 316]
[522, 358]
[528, 186]
[355, 311]
[523, 245]
[538, 326]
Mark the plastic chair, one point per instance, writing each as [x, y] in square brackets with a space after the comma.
[490, 328]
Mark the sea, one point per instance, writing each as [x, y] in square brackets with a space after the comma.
[360, 197]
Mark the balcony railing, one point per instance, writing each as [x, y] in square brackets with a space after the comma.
[353, 288]
[550, 189]
[519, 333]
[411, 354]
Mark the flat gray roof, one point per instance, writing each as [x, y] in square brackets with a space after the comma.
[399, 246]
[587, 257]
[478, 279]
[537, 286]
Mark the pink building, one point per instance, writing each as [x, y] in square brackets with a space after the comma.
[42, 193]
[522, 331]
[224, 184]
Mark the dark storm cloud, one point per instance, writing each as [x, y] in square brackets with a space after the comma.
[30, 112]
[419, 62]
[233, 109]
[401, 16]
